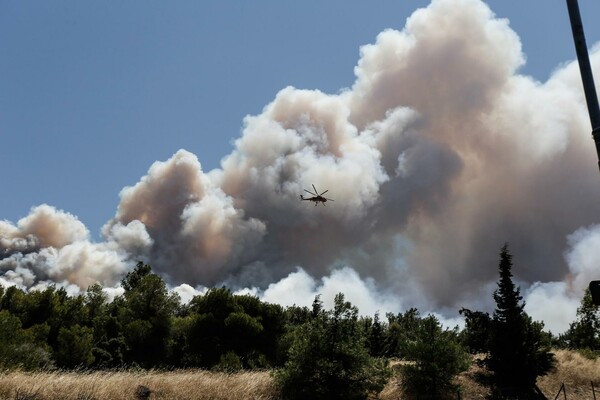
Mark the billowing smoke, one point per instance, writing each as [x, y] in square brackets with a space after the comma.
[437, 155]
[52, 246]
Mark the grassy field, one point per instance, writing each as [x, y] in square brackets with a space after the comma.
[176, 385]
[575, 371]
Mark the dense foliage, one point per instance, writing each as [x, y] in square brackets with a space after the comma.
[145, 327]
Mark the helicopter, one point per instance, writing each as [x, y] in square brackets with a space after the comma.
[317, 198]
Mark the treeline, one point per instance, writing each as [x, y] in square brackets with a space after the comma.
[315, 352]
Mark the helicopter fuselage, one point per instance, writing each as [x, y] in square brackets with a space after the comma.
[316, 199]
[316, 196]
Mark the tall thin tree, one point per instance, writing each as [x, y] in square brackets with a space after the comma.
[518, 352]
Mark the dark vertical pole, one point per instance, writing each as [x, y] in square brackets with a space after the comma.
[586, 72]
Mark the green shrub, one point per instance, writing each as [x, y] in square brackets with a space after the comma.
[229, 362]
[328, 359]
[438, 358]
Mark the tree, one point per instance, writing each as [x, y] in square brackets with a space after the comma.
[438, 358]
[402, 329]
[146, 316]
[476, 334]
[220, 325]
[209, 336]
[584, 333]
[518, 353]
[133, 278]
[375, 331]
[264, 347]
[328, 359]
[19, 347]
[75, 346]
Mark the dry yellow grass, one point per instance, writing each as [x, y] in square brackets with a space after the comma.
[176, 385]
[574, 370]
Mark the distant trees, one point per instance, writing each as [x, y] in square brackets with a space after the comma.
[146, 327]
[328, 359]
[584, 333]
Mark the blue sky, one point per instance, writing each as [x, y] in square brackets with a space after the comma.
[91, 93]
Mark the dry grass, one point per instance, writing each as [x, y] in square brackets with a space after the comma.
[176, 385]
[574, 370]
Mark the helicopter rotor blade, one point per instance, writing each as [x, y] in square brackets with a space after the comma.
[324, 192]
[328, 199]
[309, 192]
[314, 188]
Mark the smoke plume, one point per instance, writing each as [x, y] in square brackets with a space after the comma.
[438, 154]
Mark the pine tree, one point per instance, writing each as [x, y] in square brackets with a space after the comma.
[518, 352]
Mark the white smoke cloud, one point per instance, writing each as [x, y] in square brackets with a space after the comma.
[187, 293]
[583, 255]
[438, 154]
[43, 227]
[556, 303]
[299, 288]
[50, 245]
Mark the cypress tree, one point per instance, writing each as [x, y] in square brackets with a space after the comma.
[518, 352]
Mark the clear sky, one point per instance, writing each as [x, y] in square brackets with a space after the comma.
[91, 93]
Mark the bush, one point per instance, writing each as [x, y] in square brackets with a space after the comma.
[438, 358]
[328, 359]
[229, 362]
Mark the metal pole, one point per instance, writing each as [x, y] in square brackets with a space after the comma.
[585, 68]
